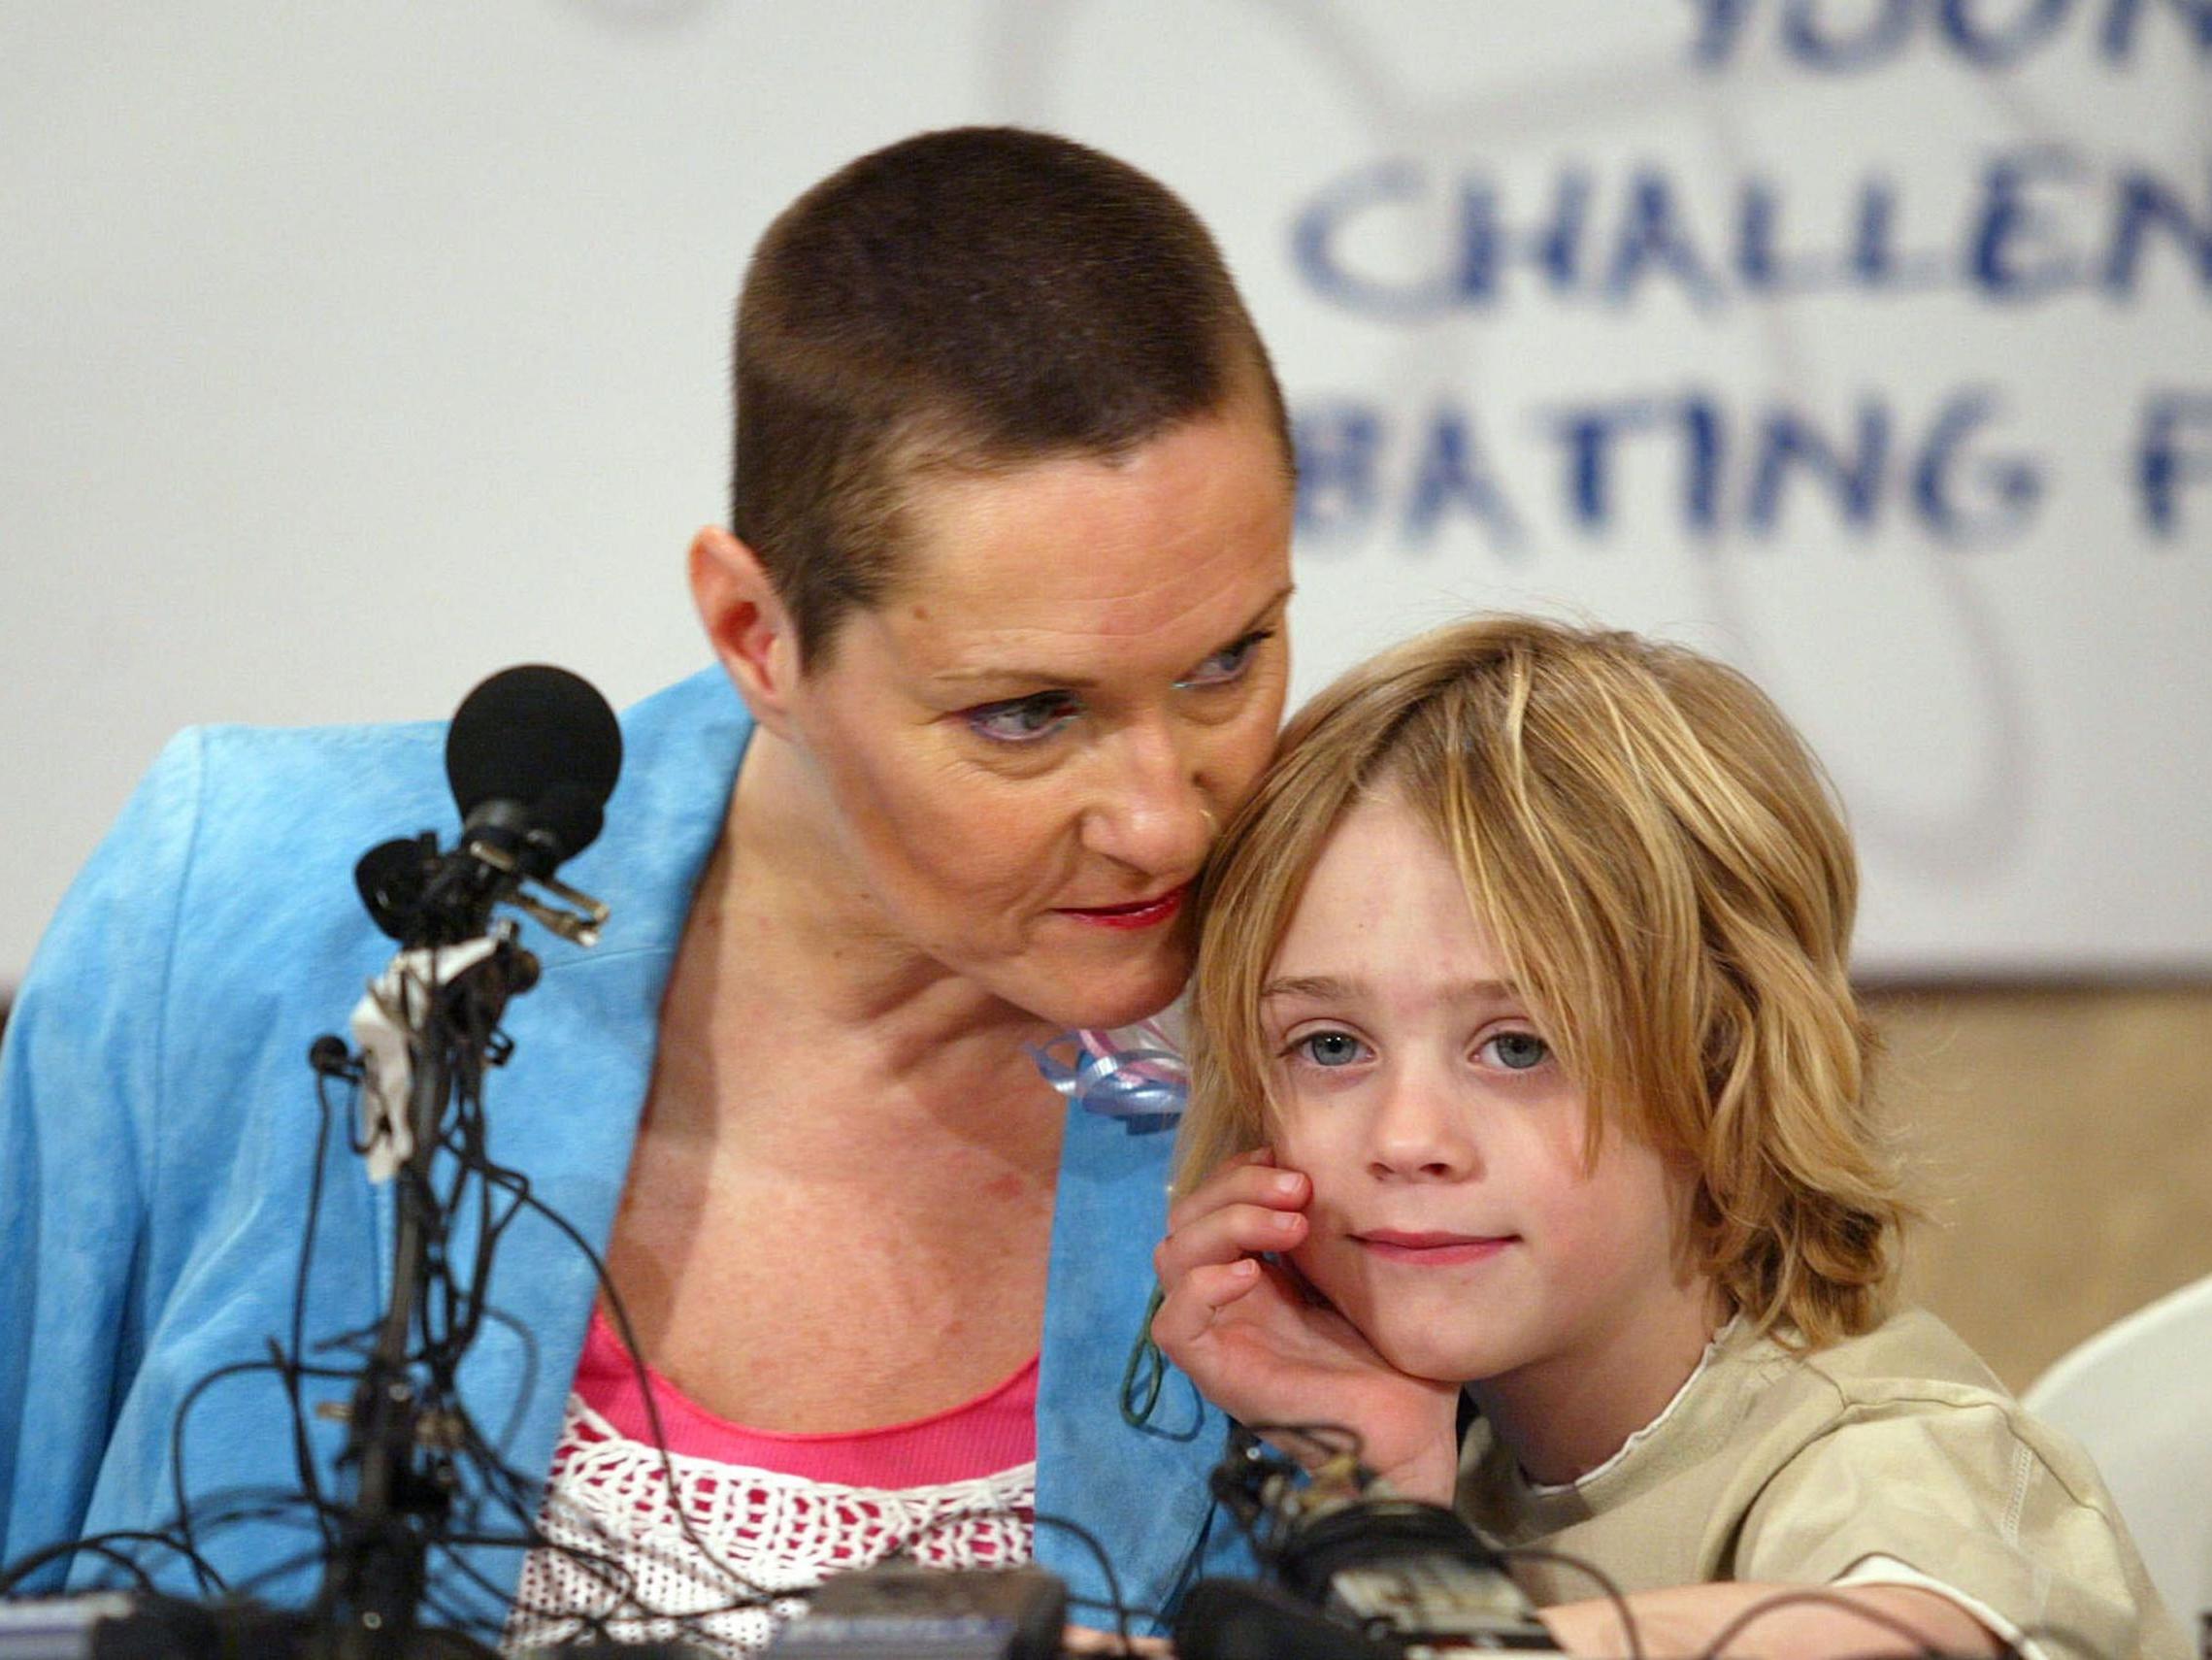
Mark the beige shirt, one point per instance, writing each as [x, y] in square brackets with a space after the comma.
[1896, 1458]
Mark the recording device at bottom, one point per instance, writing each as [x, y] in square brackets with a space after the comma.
[901, 1610]
[119, 1625]
[1359, 1573]
[1411, 1571]
[1403, 1597]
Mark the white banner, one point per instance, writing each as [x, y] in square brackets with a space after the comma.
[356, 352]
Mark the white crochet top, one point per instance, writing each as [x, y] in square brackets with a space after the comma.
[643, 1547]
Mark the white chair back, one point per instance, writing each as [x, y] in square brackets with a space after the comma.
[2138, 1396]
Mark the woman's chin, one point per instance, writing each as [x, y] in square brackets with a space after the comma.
[1100, 1003]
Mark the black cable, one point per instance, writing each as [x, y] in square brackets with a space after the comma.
[178, 1485]
[618, 1581]
[100, 1544]
[527, 1342]
[123, 1559]
[1098, 1553]
[1331, 1440]
[303, 1449]
[1836, 1596]
[639, 1370]
[525, 1495]
[464, 1213]
[613, 1575]
[1607, 1586]
[625, 1607]
[1133, 1610]
[272, 1572]
[1820, 1596]
[468, 1571]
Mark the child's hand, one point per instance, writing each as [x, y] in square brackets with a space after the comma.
[1254, 1337]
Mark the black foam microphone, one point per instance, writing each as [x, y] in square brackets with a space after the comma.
[533, 754]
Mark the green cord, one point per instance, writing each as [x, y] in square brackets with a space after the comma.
[1138, 1397]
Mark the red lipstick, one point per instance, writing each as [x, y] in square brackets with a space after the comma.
[1139, 914]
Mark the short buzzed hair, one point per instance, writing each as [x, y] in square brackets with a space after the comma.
[975, 299]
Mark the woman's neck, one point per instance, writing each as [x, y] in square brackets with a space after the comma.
[786, 967]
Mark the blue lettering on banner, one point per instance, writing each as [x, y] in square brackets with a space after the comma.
[1720, 23]
[2006, 488]
[2118, 38]
[1846, 37]
[1760, 264]
[1338, 448]
[1966, 27]
[1313, 244]
[2026, 233]
[1742, 473]
[2010, 219]
[2175, 448]
[2145, 202]
[1449, 474]
[1554, 248]
[1652, 235]
[1702, 441]
[1790, 443]
[1588, 433]
[1409, 242]
[1811, 38]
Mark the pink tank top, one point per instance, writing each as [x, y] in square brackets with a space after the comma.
[994, 1431]
[956, 1489]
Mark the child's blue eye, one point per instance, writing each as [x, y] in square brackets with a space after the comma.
[1227, 664]
[1022, 719]
[1331, 1048]
[1517, 1051]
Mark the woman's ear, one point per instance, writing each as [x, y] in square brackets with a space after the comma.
[747, 623]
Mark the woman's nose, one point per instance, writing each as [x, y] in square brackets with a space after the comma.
[1153, 809]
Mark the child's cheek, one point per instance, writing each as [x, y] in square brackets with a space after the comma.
[1299, 1144]
[1322, 1265]
[1325, 1245]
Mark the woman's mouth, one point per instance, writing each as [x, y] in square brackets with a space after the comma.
[1138, 913]
[1432, 1249]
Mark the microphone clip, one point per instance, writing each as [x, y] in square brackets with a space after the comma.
[579, 925]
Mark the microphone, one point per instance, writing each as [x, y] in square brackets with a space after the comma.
[531, 756]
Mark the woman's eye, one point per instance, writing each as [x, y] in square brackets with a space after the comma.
[1022, 719]
[1228, 663]
[1330, 1048]
[1516, 1052]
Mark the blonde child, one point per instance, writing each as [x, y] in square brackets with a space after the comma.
[1525, 1062]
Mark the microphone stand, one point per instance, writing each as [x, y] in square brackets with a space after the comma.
[532, 754]
[397, 1442]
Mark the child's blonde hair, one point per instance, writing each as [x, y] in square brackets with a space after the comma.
[1665, 870]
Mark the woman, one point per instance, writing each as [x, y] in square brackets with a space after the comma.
[1002, 602]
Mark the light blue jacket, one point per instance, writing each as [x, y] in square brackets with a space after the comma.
[158, 1130]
